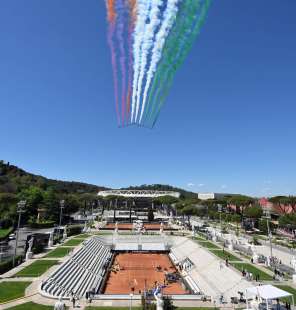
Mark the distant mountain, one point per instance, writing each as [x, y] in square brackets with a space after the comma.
[14, 180]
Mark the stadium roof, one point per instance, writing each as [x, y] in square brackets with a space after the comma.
[138, 193]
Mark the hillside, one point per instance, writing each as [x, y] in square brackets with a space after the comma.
[14, 180]
[43, 193]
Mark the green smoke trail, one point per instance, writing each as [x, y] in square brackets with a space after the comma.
[189, 30]
[170, 50]
[182, 57]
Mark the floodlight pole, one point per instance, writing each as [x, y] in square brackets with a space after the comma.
[20, 209]
[220, 212]
[267, 212]
[62, 205]
[92, 210]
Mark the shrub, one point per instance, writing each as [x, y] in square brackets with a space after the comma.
[4, 233]
[5, 223]
[45, 224]
[38, 248]
[7, 265]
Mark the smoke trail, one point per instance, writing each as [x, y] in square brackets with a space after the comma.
[133, 17]
[154, 18]
[183, 53]
[111, 16]
[143, 13]
[169, 19]
[172, 44]
[120, 30]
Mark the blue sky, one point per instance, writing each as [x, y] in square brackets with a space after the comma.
[228, 124]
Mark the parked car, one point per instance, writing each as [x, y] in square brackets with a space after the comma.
[11, 237]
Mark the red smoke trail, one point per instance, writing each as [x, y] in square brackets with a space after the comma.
[133, 18]
[121, 10]
[112, 16]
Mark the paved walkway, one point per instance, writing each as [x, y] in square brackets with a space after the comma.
[32, 291]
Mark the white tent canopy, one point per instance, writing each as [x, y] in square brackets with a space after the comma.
[266, 292]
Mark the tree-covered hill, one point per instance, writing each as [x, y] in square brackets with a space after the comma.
[40, 193]
[14, 180]
[45, 194]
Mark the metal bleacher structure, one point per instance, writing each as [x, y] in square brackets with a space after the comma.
[82, 272]
[205, 274]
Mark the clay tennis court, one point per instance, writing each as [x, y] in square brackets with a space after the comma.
[130, 226]
[135, 270]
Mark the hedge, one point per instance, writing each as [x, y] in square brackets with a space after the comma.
[47, 224]
[6, 223]
[5, 232]
[74, 230]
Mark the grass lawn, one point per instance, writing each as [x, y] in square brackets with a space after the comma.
[82, 236]
[208, 244]
[5, 232]
[60, 252]
[12, 290]
[31, 306]
[200, 238]
[73, 242]
[37, 268]
[250, 268]
[288, 289]
[224, 255]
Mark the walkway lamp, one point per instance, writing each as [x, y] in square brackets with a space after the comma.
[20, 209]
[268, 217]
[131, 300]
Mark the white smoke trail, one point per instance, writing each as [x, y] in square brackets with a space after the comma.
[154, 21]
[170, 14]
[142, 15]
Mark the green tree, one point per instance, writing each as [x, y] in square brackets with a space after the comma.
[288, 220]
[188, 211]
[241, 202]
[280, 202]
[254, 212]
[34, 198]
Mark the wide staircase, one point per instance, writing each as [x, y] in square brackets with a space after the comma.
[83, 272]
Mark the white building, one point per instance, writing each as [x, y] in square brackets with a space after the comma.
[207, 196]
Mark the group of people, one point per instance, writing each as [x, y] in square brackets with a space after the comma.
[74, 299]
[116, 267]
[278, 275]
[249, 276]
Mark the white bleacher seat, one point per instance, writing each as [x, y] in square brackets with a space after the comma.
[82, 272]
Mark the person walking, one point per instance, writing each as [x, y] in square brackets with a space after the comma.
[72, 299]
[77, 301]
